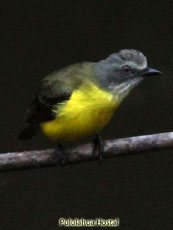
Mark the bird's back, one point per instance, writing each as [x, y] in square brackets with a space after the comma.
[54, 89]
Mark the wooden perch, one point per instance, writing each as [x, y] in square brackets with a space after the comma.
[43, 158]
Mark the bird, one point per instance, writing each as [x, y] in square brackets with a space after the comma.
[79, 100]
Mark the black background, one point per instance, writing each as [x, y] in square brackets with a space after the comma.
[38, 37]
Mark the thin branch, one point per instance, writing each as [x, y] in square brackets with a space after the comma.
[83, 153]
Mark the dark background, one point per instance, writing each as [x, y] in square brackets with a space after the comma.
[38, 37]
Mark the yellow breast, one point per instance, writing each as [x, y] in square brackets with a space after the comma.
[87, 111]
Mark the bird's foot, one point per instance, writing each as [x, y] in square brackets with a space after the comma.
[62, 154]
[98, 144]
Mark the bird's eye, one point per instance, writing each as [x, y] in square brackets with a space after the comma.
[126, 68]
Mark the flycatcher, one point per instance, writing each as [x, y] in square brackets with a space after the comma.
[79, 100]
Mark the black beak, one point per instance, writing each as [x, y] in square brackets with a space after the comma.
[150, 71]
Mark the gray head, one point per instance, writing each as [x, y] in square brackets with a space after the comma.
[120, 72]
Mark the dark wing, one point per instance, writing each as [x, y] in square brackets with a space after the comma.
[54, 89]
[42, 105]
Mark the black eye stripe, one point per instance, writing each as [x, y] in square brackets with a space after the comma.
[126, 68]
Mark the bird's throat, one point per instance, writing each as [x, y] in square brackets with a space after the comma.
[121, 90]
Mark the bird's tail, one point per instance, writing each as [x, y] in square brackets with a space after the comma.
[29, 132]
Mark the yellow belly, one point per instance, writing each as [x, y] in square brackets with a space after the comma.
[87, 111]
